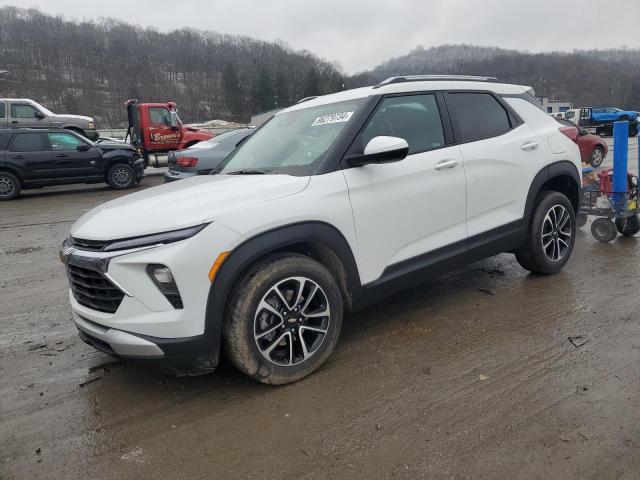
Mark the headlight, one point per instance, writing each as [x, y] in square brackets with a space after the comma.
[91, 125]
[155, 239]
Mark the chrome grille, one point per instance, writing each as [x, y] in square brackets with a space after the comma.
[94, 290]
[92, 245]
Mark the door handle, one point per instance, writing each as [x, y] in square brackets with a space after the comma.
[14, 121]
[18, 157]
[529, 146]
[446, 164]
[61, 155]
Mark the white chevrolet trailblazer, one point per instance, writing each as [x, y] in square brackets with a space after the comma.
[334, 203]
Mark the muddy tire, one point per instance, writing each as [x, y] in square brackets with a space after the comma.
[284, 319]
[597, 157]
[121, 176]
[628, 226]
[603, 230]
[550, 236]
[9, 186]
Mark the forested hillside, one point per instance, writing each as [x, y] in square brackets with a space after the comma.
[93, 67]
[590, 77]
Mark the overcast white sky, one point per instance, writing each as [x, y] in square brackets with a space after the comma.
[360, 34]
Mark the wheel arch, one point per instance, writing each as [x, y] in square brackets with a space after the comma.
[560, 177]
[318, 240]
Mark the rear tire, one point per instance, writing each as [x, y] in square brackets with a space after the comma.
[628, 226]
[9, 186]
[121, 176]
[603, 230]
[597, 157]
[275, 330]
[551, 235]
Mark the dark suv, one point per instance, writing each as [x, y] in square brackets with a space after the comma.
[34, 158]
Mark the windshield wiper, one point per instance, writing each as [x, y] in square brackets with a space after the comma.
[250, 171]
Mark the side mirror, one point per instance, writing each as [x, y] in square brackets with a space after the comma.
[174, 120]
[583, 131]
[382, 150]
[83, 147]
[39, 115]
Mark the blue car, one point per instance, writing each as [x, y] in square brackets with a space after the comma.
[611, 114]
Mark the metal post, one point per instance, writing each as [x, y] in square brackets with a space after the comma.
[620, 156]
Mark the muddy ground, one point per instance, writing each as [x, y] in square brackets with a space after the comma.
[470, 376]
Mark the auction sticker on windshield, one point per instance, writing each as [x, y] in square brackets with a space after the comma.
[333, 118]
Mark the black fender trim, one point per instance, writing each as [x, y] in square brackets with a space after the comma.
[264, 243]
[556, 169]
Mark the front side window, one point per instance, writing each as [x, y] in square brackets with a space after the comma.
[415, 118]
[294, 142]
[478, 115]
[160, 116]
[2, 110]
[28, 142]
[22, 111]
[64, 141]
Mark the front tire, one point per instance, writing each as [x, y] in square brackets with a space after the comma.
[551, 235]
[9, 186]
[597, 157]
[121, 176]
[284, 319]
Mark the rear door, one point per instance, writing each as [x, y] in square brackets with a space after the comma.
[30, 154]
[501, 156]
[72, 165]
[160, 135]
[26, 115]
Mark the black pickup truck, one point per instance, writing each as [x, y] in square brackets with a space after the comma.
[34, 158]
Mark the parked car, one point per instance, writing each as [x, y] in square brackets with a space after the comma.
[23, 112]
[329, 206]
[203, 157]
[593, 150]
[34, 158]
[611, 114]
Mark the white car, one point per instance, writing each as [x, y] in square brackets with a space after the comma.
[331, 205]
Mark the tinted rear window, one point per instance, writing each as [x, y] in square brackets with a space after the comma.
[28, 142]
[2, 107]
[479, 115]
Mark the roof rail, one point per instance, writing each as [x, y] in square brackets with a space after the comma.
[306, 99]
[434, 78]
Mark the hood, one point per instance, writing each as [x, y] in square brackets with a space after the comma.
[182, 204]
[73, 117]
[107, 146]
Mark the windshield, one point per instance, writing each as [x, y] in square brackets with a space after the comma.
[293, 143]
[216, 140]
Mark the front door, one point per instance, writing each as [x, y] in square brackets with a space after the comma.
[73, 158]
[29, 152]
[406, 209]
[161, 135]
[26, 115]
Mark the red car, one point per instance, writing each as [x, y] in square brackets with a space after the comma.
[593, 149]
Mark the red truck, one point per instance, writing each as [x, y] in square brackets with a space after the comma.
[157, 128]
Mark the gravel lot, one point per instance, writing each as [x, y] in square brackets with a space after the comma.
[469, 376]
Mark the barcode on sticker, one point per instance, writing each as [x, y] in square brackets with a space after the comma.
[333, 118]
